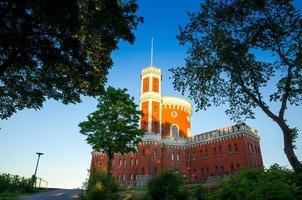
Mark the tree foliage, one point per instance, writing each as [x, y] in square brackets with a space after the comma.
[99, 187]
[274, 183]
[14, 183]
[113, 127]
[167, 186]
[223, 66]
[59, 49]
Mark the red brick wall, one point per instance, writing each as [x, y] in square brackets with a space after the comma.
[224, 161]
[181, 120]
[219, 162]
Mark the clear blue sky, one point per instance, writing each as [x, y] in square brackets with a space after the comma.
[54, 129]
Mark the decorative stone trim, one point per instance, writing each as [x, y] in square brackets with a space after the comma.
[197, 140]
[177, 103]
[152, 70]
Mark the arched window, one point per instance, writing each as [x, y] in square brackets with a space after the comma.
[236, 147]
[174, 131]
[221, 170]
[132, 161]
[154, 171]
[177, 156]
[136, 161]
[154, 153]
[216, 170]
[232, 168]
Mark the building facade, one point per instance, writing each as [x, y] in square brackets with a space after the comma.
[168, 143]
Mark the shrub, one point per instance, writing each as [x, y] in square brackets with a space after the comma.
[275, 183]
[200, 192]
[11, 183]
[100, 187]
[129, 196]
[167, 186]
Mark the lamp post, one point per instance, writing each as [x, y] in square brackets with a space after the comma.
[34, 177]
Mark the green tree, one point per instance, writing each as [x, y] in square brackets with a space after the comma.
[222, 66]
[113, 127]
[59, 49]
[99, 186]
[167, 186]
[254, 184]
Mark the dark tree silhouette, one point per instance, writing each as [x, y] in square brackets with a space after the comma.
[58, 49]
[222, 67]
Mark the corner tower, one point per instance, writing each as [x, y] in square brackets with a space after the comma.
[176, 114]
[150, 100]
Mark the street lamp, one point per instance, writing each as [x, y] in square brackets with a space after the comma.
[34, 177]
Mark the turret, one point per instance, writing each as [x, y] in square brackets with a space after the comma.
[150, 100]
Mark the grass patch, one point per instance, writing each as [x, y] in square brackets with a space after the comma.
[133, 194]
[10, 195]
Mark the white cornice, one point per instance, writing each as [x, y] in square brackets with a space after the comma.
[197, 140]
[151, 70]
[177, 102]
[150, 95]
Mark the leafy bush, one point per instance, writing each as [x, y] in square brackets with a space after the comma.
[129, 196]
[11, 183]
[100, 187]
[200, 192]
[168, 186]
[275, 183]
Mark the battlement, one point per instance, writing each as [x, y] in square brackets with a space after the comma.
[224, 132]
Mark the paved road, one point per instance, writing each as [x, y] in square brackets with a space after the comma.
[57, 194]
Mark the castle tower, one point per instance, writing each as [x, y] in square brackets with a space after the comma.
[168, 143]
[176, 114]
[150, 100]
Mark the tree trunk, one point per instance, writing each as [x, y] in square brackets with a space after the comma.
[288, 145]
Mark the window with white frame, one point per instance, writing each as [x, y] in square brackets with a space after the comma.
[174, 131]
[132, 161]
[136, 161]
[154, 153]
[178, 156]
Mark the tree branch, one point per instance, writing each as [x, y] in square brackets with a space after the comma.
[285, 61]
[286, 93]
[289, 76]
[258, 101]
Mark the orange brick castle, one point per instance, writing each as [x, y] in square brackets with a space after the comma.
[168, 143]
